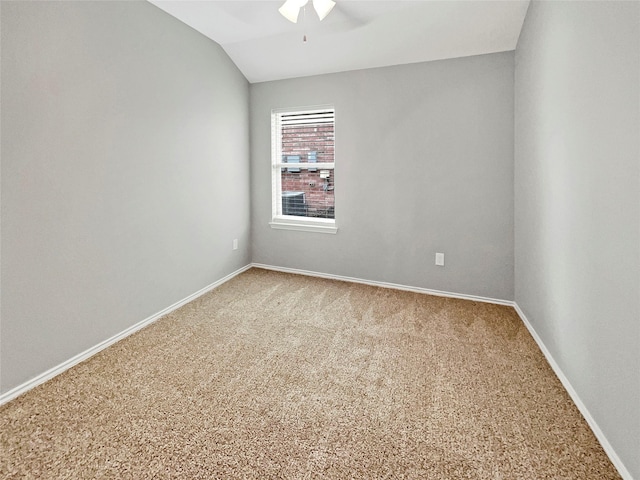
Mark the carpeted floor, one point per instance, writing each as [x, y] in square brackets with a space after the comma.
[281, 376]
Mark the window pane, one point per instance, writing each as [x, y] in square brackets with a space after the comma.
[306, 194]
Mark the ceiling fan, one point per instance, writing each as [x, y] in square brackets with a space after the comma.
[291, 8]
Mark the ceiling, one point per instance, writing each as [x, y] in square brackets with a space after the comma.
[355, 35]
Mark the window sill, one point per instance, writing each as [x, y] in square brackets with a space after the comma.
[317, 226]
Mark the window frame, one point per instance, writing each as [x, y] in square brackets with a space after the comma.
[293, 222]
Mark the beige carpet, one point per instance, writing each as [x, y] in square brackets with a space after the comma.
[281, 376]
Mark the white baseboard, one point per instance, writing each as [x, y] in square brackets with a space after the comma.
[394, 286]
[624, 473]
[57, 370]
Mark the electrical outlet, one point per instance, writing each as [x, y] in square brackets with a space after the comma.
[440, 259]
[235, 243]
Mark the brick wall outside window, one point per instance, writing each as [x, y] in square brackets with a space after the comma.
[300, 140]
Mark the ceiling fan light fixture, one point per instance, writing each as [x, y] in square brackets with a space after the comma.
[323, 7]
[290, 9]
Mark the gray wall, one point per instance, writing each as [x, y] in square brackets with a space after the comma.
[424, 164]
[577, 203]
[125, 173]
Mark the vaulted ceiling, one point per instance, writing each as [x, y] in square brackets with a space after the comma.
[355, 35]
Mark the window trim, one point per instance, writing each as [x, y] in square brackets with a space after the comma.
[290, 222]
[318, 225]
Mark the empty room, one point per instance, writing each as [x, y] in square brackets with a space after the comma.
[320, 239]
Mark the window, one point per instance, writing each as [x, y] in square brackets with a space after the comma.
[302, 169]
